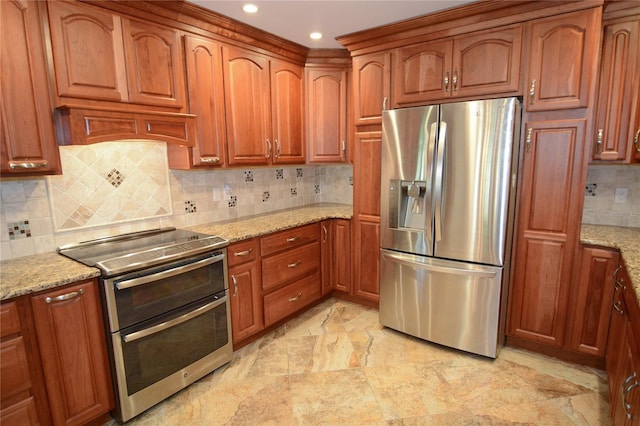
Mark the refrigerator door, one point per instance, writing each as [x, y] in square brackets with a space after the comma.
[473, 179]
[408, 148]
[451, 303]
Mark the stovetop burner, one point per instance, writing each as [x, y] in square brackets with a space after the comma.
[138, 250]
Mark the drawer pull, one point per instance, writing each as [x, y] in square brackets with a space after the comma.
[298, 297]
[28, 165]
[293, 265]
[242, 253]
[292, 239]
[617, 307]
[326, 233]
[210, 160]
[619, 285]
[64, 296]
[235, 285]
[627, 389]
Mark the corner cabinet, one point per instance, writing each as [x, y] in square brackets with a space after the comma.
[27, 137]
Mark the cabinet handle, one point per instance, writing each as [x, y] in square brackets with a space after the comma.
[615, 273]
[13, 165]
[528, 140]
[326, 234]
[268, 149]
[532, 91]
[617, 307]
[599, 139]
[455, 80]
[619, 284]
[446, 81]
[64, 296]
[344, 148]
[625, 392]
[277, 154]
[295, 264]
[384, 103]
[292, 239]
[298, 297]
[210, 160]
[242, 253]
[636, 140]
[235, 284]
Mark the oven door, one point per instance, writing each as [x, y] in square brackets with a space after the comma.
[138, 296]
[157, 358]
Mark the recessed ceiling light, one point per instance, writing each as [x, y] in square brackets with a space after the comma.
[250, 8]
[315, 36]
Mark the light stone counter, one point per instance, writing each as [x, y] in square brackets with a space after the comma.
[30, 274]
[627, 240]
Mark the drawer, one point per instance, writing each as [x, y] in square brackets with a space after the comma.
[22, 412]
[241, 252]
[290, 238]
[289, 265]
[291, 298]
[14, 368]
[9, 319]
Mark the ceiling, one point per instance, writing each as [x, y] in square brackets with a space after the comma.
[294, 20]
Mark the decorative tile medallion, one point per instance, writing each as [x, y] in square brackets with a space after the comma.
[190, 206]
[265, 196]
[299, 172]
[279, 174]
[294, 192]
[233, 201]
[18, 230]
[316, 189]
[115, 178]
[248, 176]
[591, 189]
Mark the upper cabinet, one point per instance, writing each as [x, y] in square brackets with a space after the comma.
[482, 63]
[100, 56]
[371, 87]
[616, 127]
[562, 55]
[27, 138]
[264, 100]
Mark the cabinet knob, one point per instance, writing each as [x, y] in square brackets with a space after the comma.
[599, 139]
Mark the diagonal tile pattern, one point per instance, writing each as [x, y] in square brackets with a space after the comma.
[336, 365]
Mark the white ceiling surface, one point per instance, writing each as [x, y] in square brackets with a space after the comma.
[294, 19]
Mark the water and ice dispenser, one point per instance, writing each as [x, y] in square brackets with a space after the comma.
[407, 204]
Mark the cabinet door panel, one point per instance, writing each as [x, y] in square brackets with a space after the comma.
[87, 52]
[327, 115]
[563, 49]
[367, 174]
[422, 72]
[246, 80]
[367, 279]
[372, 81]
[342, 255]
[22, 413]
[287, 100]
[14, 368]
[247, 315]
[154, 64]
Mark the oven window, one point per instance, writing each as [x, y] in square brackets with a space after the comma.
[141, 302]
[150, 359]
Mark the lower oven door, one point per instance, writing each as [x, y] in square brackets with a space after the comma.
[157, 358]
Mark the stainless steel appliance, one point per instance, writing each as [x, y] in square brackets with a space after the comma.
[166, 308]
[448, 184]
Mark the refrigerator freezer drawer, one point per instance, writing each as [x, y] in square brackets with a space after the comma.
[451, 303]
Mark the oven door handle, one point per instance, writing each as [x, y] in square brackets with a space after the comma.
[173, 322]
[121, 285]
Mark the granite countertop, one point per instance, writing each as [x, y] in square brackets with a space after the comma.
[627, 240]
[30, 274]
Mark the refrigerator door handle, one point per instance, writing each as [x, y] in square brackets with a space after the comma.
[428, 228]
[404, 260]
[439, 179]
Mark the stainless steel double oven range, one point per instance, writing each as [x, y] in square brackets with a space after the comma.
[165, 296]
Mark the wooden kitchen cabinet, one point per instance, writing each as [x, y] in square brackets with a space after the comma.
[562, 57]
[206, 101]
[247, 316]
[592, 300]
[28, 145]
[264, 101]
[72, 342]
[479, 63]
[371, 87]
[547, 233]
[616, 127]
[327, 115]
[101, 56]
[336, 255]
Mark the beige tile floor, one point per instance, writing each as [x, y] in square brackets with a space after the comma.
[336, 365]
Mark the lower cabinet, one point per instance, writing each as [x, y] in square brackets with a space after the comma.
[54, 363]
[336, 256]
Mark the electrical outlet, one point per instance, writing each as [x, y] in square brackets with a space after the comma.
[621, 196]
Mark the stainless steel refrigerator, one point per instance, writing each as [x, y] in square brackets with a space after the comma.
[448, 184]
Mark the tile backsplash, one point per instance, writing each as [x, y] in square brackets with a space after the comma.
[113, 188]
[600, 204]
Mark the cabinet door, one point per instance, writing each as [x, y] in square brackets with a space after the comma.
[287, 102]
[206, 99]
[548, 222]
[27, 138]
[367, 260]
[88, 52]
[592, 301]
[562, 53]
[619, 77]
[487, 63]
[422, 72]
[247, 315]
[72, 344]
[371, 87]
[155, 72]
[341, 255]
[247, 105]
[327, 115]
